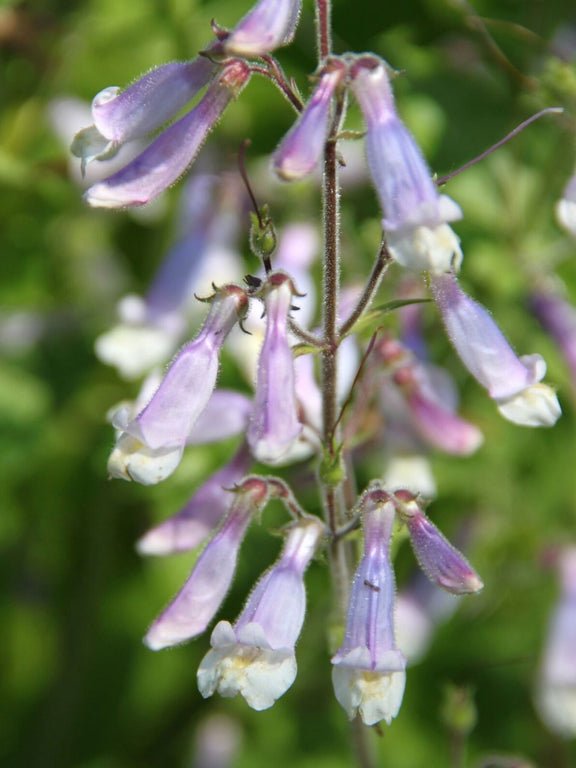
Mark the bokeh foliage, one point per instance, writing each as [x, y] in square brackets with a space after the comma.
[80, 691]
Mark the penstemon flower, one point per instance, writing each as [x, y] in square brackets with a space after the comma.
[170, 155]
[299, 152]
[274, 425]
[268, 25]
[513, 382]
[167, 420]
[368, 672]
[122, 116]
[440, 560]
[256, 657]
[195, 605]
[415, 215]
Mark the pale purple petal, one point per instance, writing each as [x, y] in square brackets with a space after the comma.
[402, 179]
[166, 159]
[152, 100]
[442, 563]
[196, 604]
[188, 385]
[274, 425]
[481, 345]
[268, 25]
[301, 149]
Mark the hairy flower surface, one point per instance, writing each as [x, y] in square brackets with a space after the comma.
[369, 671]
[274, 425]
[301, 149]
[169, 156]
[194, 607]
[415, 215]
[511, 381]
[256, 657]
[268, 25]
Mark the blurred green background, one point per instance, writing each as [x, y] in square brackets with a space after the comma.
[79, 690]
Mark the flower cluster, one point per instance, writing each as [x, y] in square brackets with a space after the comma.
[388, 392]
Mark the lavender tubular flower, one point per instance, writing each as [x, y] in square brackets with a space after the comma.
[301, 149]
[268, 25]
[122, 116]
[188, 385]
[194, 607]
[415, 216]
[274, 425]
[442, 563]
[511, 381]
[203, 512]
[256, 657]
[369, 671]
[166, 159]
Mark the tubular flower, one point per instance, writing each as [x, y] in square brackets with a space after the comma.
[121, 116]
[511, 381]
[165, 423]
[166, 159]
[195, 605]
[440, 560]
[274, 424]
[415, 215]
[369, 671]
[203, 512]
[301, 149]
[268, 25]
[256, 657]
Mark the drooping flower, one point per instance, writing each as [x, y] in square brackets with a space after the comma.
[415, 215]
[442, 563]
[301, 149]
[195, 605]
[267, 26]
[256, 656]
[514, 383]
[124, 115]
[369, 670]
[201, 514]
[169, 156]
[556, 685]
[274, 424]
[167, 420]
